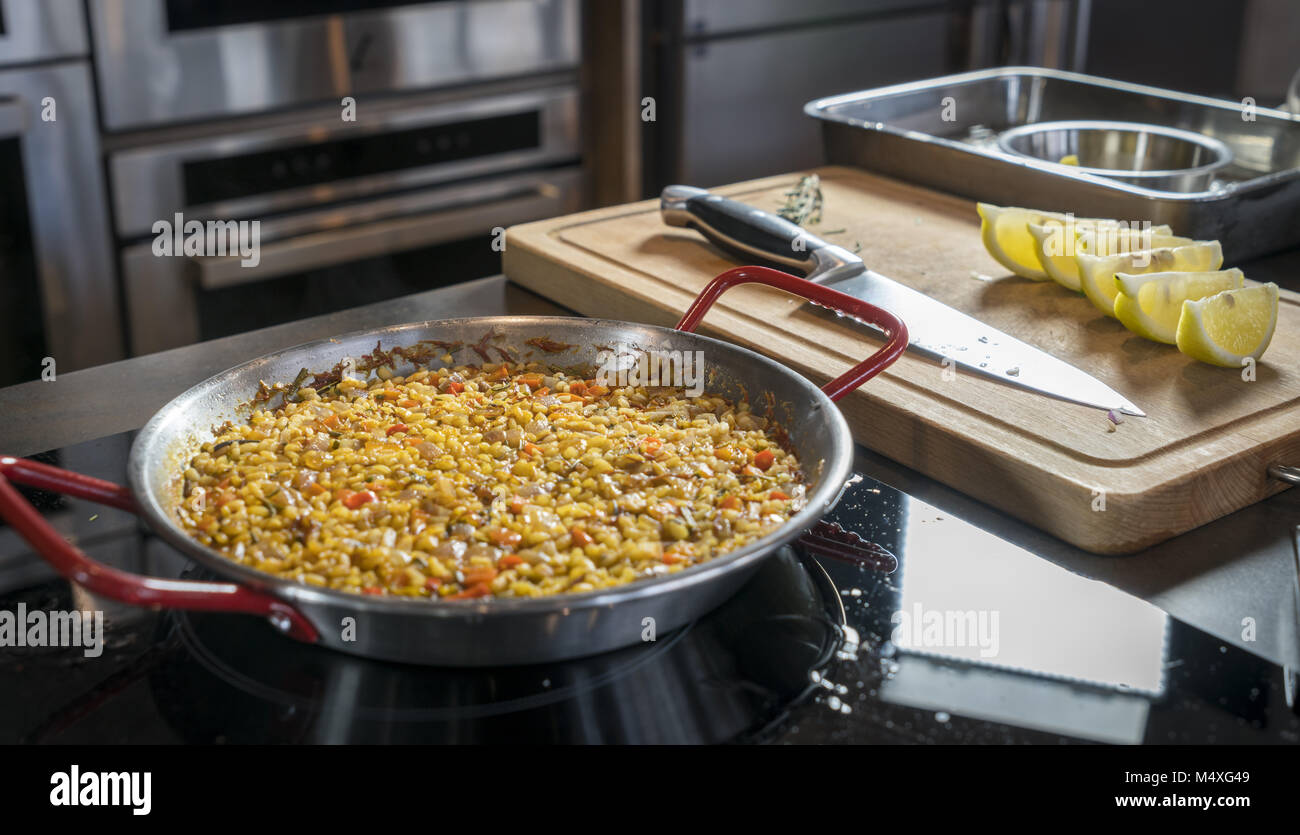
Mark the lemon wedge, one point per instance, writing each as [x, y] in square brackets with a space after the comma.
[1005, 232]
[1150, 304]
[1057, 242]
[1226, 328]
[1097, 272]
[1117, 239]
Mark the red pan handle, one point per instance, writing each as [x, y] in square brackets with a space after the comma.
[74, 564]
[825, 296]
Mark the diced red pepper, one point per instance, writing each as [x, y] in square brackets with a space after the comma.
[778, 496]
[398, 427]
[765, 459]
[356, 500]
[510, 561]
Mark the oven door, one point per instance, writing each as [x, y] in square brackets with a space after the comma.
[58, 292]
[165, 61]
[318, 261]
[282, 164]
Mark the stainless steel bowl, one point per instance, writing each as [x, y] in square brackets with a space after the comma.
[1153, 156]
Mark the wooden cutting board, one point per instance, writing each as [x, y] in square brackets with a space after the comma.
[1202, 452]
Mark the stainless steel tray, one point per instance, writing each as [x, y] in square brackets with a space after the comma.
[1252, 206]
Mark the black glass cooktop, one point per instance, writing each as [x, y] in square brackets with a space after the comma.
[957, 637]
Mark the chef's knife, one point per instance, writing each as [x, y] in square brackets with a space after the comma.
[935, 328]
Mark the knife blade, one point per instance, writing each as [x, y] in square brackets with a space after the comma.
[935, 329]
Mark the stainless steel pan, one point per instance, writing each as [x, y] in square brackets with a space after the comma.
[486, 631]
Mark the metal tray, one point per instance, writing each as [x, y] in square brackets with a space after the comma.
[1252, 206]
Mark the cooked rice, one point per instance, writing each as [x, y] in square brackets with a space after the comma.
[508, 480]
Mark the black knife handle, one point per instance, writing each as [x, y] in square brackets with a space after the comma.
[744, 230]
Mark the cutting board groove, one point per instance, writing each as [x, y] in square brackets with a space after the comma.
[1202, 452]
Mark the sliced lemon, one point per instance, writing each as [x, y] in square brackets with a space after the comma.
[1057, 242]
[1225, 328]
[1005, 232]
[1150, 304]
[1097, 272]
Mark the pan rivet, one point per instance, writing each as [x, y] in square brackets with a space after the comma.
[280, 621]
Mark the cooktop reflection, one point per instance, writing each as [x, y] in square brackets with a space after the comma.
[947, 634]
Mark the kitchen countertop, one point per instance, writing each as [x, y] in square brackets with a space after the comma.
[1231, 578]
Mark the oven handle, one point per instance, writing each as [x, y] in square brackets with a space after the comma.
[349, 243]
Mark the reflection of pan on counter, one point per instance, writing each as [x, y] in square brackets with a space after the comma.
[491, 631]
[728, 674]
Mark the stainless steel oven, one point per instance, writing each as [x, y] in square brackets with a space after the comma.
[167, 61]
[349, 212]
[58, 294]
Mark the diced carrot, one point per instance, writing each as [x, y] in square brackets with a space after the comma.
[510, 561]
[531, 448]
[372, 590]
[408, 403]
[332, 421]
[597, 391]
[500, 374]
[580, 537]
[398, 427]
[765, 459]
[432, 583]
[672, 558]
[313, 490]
[579, 388]
[777, 496]
[455, 387]
[516, 504]
[542, 392]
[504, 536]
[479, 574]
[531, 380]
[650, 446]
[731, 502]
[480, 590]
